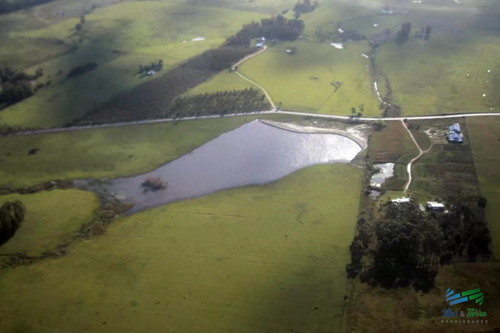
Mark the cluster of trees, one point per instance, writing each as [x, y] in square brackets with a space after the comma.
[403, 34]
[154, 66]
[304, 7]
[7, 6]
[79, 26]
[82, 69]
[406, 246]
[278, 27]
[219, 103]
[11, 217]
[16, 86]
[154, 184]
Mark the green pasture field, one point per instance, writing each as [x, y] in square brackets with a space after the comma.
[115, 39]
[52, 218]
[448, 73]
[221, 82]
[485, 142]
[108, 152]
[260, 258]
[302, 81]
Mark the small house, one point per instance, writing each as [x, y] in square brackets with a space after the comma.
[151, 73]
[259, 44]
[435, 206]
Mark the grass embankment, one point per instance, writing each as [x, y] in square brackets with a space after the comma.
[485, 143]
[404, 310]
[260, 258]
[303, 81]
[113, 38]
[109, 152]
[393, 144]
[448, 73]
[52, 218]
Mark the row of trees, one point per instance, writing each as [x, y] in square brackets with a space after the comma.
[15, 85]
[304, 7]
[82, 69]
[277, 27]
[11, 217]
[219, 103]
[403, 34]
[406, 246]
[7, 6]
[154, 66]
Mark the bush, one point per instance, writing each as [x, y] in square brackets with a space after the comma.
[11, 217]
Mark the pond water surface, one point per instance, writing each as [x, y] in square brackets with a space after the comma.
[254, 153]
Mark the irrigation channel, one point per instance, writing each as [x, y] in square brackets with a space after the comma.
[255, 153]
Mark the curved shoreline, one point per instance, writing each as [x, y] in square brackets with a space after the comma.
[315, 130]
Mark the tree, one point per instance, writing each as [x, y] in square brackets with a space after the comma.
[78, 27]
[427, 33]
[402, 35]
[11, 217]
[82, 19]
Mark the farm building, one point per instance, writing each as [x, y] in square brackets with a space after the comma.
[455, 128]
[259, 44]
[455, 134]
[432, 205]
[401, 200]
[151, 73]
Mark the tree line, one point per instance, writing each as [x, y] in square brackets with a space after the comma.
[218, 103]
[406, 246]
[275, 28]
[7, 6]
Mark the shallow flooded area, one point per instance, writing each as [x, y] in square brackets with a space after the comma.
[254, 153]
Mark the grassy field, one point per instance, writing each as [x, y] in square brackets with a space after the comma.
[110, 152]
[404, 310]
[303, 81]
[262, 258]
[448, 73]
[52, 218]
[485, 142]
[221, 82]
[113, 38]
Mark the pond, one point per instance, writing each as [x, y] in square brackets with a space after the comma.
[254, 153]
[386, 170]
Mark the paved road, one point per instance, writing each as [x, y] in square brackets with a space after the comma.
[295, 113]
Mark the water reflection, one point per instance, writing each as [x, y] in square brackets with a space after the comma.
[254, 153]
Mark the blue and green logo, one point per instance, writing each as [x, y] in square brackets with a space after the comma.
[456, 298]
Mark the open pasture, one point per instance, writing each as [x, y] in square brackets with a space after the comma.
[260, 258]
[52, 218]
[118, 38]
[303, 81]
[456, 70]
[485, 143]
